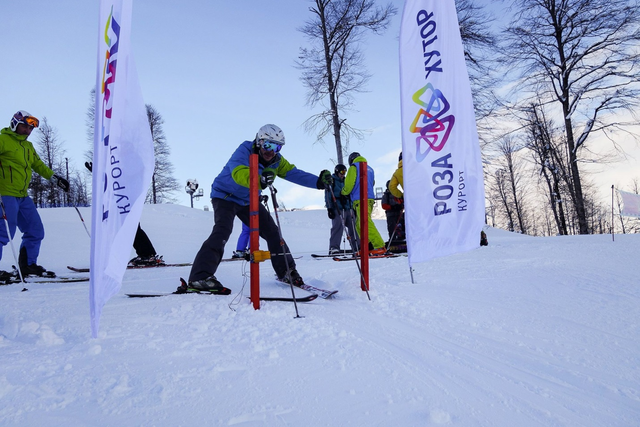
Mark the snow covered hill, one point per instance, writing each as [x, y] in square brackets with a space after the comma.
[525, 332]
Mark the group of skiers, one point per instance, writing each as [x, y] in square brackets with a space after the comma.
[343, 207]
[229, 198]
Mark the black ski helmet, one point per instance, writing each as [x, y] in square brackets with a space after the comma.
[339, 168]
[352, 157]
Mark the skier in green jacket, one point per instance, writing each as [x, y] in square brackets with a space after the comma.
[18, 159]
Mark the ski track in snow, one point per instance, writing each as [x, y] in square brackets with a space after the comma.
[525, 332]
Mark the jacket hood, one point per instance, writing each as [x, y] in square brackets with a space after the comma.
[359, 159]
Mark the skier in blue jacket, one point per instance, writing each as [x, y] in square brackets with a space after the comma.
[230, 198]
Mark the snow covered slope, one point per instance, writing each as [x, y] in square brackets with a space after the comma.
[525, 332]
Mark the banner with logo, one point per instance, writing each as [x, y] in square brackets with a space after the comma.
[631, 204]
[443, 180]
[123, 157]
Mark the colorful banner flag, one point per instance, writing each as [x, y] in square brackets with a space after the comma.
[631, 204]
[123, 157]
[443, 180]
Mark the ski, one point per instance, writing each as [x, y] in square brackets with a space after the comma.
[164, 294]
[183, 289]
[308, 298]
[86, 270]
[244, 259]
[351, 258]
[322, 293]
[341, 253]
[56, 279]
[44, 280]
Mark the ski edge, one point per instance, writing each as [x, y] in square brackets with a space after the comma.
[308, 298]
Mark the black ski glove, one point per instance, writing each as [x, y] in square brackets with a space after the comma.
[324, 179]
[331, 212]
[267, 178]
[264, 199]
[61, 182]
[89, 165]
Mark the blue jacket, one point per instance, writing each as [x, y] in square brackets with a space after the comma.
[352, 180]
[338, 184]
[233, 182]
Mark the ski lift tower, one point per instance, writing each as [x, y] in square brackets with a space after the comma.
[192, 190]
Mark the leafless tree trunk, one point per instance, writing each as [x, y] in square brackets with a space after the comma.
[513, 183]
[548, 156]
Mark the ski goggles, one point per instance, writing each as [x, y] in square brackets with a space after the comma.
[271, 146]
[31, 121]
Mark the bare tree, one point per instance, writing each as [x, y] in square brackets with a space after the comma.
[512, 187]
[547, 155]
[332, 68]
[90, 123]
[584, 56]
[162, 181]
[51, 153]
[499, 195]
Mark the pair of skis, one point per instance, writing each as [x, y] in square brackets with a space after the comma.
[184, 289]
[353, 258]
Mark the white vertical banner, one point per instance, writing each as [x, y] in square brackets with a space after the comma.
[443, 180]
[631, 204]
[123, 157]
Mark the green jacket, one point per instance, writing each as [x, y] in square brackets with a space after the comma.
[17, 159]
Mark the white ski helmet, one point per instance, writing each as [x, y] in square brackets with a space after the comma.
[23, 117]
[270, 133]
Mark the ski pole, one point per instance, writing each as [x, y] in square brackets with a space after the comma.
[82, 219]
[344, 227]
[284, 252]
[13, 248]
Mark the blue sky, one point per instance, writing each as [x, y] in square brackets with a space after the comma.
[215, 70]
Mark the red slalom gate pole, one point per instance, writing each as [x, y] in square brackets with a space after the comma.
[364, 227]
[254, 226]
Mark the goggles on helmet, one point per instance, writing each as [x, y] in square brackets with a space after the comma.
[271, 145]
[31, 121]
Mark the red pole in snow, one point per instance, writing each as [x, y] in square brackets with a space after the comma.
[254, 226]
[364, 226]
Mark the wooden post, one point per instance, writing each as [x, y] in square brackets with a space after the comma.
[364, 226]
[254, 226]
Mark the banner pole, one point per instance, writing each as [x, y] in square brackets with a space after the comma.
[254, 233]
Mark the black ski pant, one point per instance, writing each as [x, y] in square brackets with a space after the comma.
[142, 244]
[209, 256]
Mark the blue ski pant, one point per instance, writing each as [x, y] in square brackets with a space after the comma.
[243, 239]
[22, 213]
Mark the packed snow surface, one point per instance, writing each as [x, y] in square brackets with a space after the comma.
[528, 331]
